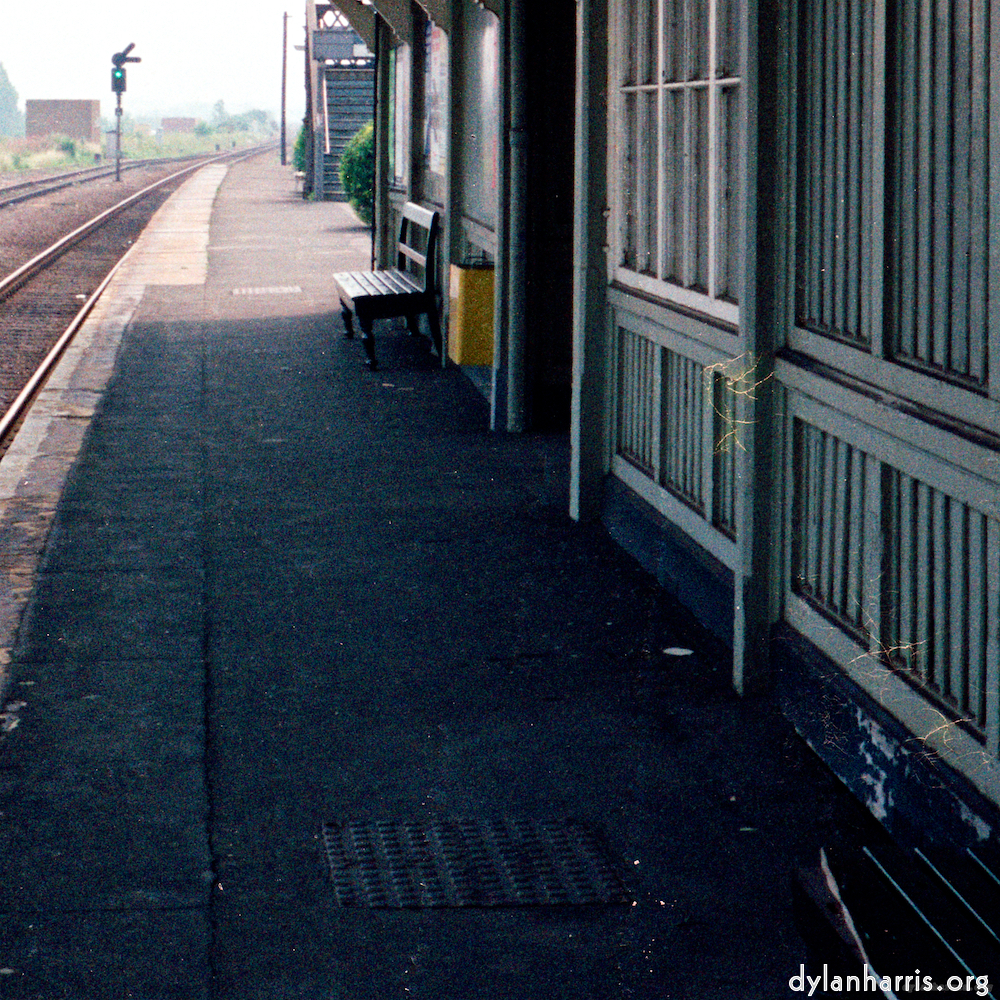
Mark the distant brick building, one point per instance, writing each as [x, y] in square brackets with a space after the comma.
[76, 119]
[173, 125]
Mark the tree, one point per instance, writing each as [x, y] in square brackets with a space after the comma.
[11, 120]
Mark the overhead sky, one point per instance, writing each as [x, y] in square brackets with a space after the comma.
[194, 53]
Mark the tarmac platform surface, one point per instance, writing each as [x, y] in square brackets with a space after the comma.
[280, 591]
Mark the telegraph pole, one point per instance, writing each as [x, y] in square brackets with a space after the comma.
[284, 84]
[118, 83]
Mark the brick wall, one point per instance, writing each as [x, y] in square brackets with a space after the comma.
[76, 119]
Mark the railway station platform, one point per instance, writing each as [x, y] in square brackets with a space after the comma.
[264, 594]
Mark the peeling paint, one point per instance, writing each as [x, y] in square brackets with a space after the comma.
[877, 736]
[879, 802]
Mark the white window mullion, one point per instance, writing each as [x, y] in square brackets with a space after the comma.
[713, 140]
[661, 154]
[689, 177]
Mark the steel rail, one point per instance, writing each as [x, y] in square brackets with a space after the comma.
[41, 186]
[17, 278]
[13, 281]
[16, 409]
[66, 177]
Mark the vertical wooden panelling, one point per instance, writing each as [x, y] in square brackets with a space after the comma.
[832, 245]
[917, 650]
[674, 427]
[852, 206]
[961, 113]
[991, 673]
[830, 503]
[840, 132]
[941, 604]
[905, 222]
[979, 213]
[811, 206]
[681, 469]
[903, 638]
[896, 124]
[943, 88]
[976, 604]
[827, 166]
[853, 598]
[956, 556]
[937, 204]
[936, 613]
[636, 400]
[811, 474]
[923, 155]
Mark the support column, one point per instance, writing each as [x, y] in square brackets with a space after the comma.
[758, 463]
[499, 394]
[588, 419]
[517, 277]
[453, 236]
[380, 235]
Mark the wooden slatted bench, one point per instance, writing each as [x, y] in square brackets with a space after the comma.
[394, 292]
[896, 911]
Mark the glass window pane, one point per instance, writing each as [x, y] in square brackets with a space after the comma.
[727, 38]
[673, 40]
[673, 184]
[628, 181]
[728, 195]
[698, 11]
[699, 207]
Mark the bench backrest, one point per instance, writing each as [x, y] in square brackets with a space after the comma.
[415, 217]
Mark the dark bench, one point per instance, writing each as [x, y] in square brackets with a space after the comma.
[386, 294]
[899, 909]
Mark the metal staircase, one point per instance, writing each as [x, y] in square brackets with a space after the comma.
[348, 107]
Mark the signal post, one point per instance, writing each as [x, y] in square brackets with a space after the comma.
[118, 84]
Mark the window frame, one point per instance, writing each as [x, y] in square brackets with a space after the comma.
[660, 286]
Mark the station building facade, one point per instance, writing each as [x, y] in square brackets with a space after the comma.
[748, 254]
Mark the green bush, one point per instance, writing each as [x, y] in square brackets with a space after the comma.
[299, 151]
[357, 172]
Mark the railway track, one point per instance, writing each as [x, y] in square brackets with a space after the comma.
[15, 194]
[44, 300]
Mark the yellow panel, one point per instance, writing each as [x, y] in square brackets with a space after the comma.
[470, 328]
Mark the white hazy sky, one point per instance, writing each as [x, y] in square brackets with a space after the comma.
[194, 53]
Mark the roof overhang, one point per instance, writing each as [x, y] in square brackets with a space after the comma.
[439, 11]
[361, 17]
[396, 13]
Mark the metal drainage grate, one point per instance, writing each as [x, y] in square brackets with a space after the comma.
[465, 862]
[269, 290]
